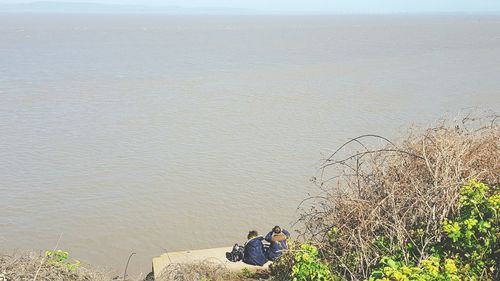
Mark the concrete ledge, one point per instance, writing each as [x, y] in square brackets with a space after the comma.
[216, 255]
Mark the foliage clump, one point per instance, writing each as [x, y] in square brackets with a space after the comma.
[469, 247]
[472, 236]
[59, 257]
[307, 266]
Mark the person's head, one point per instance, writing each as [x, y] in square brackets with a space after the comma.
[277, 229]
[252, 234]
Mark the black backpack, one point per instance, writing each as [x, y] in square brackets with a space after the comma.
[236, 254]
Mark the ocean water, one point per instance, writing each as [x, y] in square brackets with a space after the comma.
[153, 133]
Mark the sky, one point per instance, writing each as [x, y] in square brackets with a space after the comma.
[322, 6]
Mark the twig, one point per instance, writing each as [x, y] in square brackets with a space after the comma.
[126, 267]
[43, 259]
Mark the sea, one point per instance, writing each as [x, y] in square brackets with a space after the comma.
[147, 134]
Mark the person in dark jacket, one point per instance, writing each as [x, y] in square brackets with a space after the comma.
[254, 250]
[277, 239]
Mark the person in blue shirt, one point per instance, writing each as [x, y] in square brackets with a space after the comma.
[254, 253]
[277, 239]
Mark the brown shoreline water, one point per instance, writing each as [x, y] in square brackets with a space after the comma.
[152, 133]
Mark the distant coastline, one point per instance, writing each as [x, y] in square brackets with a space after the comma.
[114, 8]
[101, 8]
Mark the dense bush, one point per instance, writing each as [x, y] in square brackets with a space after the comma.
[399, 203]
[467, 249]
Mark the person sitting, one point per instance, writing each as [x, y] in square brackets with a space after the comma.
[254, 253]
[277, 239]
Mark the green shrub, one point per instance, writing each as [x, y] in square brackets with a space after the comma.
[307, 266]
[60, 257]
[472, 236]
[468, 250]
[431, 269]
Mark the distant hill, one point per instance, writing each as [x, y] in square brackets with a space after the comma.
[90, 7]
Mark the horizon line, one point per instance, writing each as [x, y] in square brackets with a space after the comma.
[89, 7]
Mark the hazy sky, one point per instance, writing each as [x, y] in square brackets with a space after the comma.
[329, 6]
